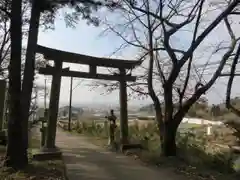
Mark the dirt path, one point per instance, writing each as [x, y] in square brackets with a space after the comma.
[85, 161]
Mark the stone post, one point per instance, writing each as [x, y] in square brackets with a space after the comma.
[43, 128]
[105, 125]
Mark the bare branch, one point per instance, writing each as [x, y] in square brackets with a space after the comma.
[212, 26]
[181, 94]
[230, 82]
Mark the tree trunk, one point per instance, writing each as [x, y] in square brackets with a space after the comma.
[16, 154]
[159, 120]
[30, 67]
[168, 144]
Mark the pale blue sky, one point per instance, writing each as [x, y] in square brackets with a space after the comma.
[85, 39]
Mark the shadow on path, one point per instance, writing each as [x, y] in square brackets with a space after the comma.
[85, 161]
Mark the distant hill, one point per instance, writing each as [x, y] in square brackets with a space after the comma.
[201, 109]
[63, 111]
[148, 108]
[73, 108]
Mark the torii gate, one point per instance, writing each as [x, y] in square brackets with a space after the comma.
[57, 72]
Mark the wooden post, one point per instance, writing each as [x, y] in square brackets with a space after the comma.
[2, 102]
[53, 106]
[123, 108]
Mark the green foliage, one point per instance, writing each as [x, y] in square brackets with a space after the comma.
[76, 10]
[93, 129]
[235, 125]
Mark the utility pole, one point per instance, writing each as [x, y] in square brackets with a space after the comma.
[36, 102]
[45, 94]
[70, 106]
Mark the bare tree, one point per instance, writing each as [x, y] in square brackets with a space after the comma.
[4, 42]
[230, 83]
[234, 124]
[5, 35]
[155, 27]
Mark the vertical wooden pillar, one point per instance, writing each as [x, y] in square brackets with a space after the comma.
[123, 108]
[2, 102]
[53, 106]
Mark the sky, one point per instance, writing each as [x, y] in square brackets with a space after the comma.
[84, 39]
[87, 39]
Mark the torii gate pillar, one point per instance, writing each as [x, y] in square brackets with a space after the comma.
[123, 108]
[53, 106]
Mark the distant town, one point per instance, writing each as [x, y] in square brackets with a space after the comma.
[98, 111]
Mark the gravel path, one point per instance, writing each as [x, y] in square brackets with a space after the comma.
[85, 161]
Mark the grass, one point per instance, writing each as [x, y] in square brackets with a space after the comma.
[36, 170]
[198, 157]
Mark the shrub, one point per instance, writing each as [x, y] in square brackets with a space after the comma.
[196, 149]
[194, 145]
[235, 125]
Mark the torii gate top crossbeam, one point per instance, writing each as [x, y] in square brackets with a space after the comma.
[58, 55]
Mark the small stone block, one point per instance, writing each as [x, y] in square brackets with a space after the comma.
[125, 147]
[44, 154]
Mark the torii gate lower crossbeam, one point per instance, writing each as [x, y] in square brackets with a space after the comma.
[57, 72]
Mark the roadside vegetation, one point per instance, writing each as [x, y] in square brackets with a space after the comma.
[199, 156]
